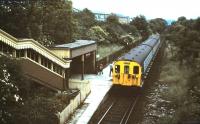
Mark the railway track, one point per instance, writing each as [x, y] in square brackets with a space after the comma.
[119, 111]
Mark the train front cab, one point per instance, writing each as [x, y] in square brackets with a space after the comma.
[127, 73]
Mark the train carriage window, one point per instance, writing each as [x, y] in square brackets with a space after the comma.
[117, 68]
[126, 69]
[136, 70]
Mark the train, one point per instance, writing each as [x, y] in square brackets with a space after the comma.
[133, 67]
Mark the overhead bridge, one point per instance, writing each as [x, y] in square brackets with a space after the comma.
[51, 66]
[37, 62]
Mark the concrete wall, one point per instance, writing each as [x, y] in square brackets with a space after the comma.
[62, 53]
[84, 87]
[65, 114]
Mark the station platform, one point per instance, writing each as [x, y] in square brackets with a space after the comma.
[100, 85]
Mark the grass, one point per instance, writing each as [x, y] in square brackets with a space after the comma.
[107, 49]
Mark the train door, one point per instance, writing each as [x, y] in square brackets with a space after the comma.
[116, 74]
[127, 77]
[136, 76]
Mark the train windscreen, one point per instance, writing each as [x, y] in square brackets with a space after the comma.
[136, 70]
[117, 68]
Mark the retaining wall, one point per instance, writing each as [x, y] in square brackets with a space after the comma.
[84, 87]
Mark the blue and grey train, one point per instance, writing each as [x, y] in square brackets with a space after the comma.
[132, 68]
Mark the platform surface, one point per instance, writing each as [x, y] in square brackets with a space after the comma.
[100, 85]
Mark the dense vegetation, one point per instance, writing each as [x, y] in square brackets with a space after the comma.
[45, 21]
[10, 93]
[23, 101]
[52, 22]
[181, 71]
[110, 31]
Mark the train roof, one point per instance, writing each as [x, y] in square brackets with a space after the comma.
[151, 41]
[137, 54]
[140, 52]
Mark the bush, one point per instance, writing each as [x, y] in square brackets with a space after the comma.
[10, 82]
[127, 39]
[96, 33]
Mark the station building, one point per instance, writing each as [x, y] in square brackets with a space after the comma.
[50, 67]
[81, 52]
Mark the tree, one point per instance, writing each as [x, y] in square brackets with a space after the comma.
[158, 25]
[83, 21]
[184, 35]
[182, 20]
[57, 24]
[86, 18]
[142, 26]
[112, 19]
[35, 19]
[98, 34]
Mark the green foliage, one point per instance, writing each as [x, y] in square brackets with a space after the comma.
[40, 20]
[111, 31]
[130, 29]
[181, 73]
[127, 39]
[96, 33]
[112, 19]
[83, 21]
[142, 26]
[41, 108]
[178, 83]
[24, 101]
[185, 37]
[157, 25]
[10, 77]
[58, 23]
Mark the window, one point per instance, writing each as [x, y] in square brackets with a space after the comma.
[32, 55]
[36, 57]
[126, 69]
[28, 53]
[136, 70]
[43, 61]
[48, 64]
[1, 46]
[117, 68]
[19, 53]
[54, 67]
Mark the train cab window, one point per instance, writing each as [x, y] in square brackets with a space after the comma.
[136, 70]
[117, 68]
[126, 69]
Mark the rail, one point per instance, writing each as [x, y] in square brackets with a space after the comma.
[119, 111]
[106, 113]
[129, 111]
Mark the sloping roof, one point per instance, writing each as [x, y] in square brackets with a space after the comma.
[76, 44]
